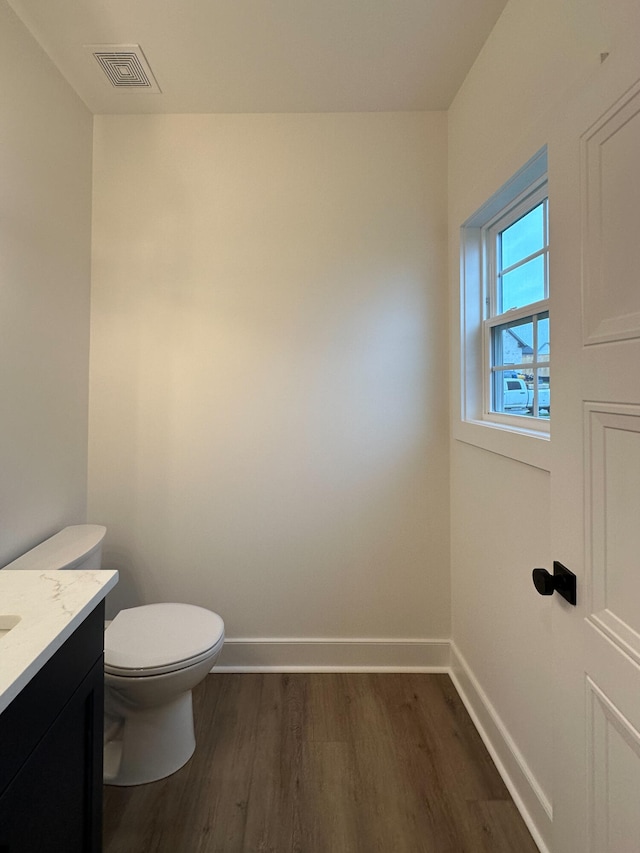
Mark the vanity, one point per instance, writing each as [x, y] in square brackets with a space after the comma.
[51, 709]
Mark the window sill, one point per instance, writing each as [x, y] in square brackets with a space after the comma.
[530, 447]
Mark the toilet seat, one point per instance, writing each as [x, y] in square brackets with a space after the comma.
[155, 639]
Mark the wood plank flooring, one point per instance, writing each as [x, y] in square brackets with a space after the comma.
[324, 763]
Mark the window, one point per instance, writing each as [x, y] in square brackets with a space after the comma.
[516, 327]
[504, 320]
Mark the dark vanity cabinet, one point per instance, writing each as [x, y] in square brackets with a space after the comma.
[51, 751]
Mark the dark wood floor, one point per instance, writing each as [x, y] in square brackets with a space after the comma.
[317, 763]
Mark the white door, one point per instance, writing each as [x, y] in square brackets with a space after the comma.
[594, 192]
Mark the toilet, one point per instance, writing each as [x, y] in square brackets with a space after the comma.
[154, 655]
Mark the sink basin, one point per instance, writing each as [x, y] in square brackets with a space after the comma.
[7, 623]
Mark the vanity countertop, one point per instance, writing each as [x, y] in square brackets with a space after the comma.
[50, 606]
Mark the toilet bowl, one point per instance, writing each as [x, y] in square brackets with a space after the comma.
[154, 656]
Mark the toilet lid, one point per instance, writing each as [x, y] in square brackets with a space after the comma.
[157, 635]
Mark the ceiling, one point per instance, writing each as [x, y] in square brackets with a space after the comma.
[226, 56]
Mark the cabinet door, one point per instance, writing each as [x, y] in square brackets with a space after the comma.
[54, 803]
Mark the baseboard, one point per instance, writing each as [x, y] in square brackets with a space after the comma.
[333, 655]
[533, 805]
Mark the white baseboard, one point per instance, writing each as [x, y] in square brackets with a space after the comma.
[333, 655]
[533, 805]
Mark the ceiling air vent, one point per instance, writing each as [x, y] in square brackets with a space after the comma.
[125, 66]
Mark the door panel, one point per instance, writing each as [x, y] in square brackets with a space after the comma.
[594, 191]
[612, 522]
[611, 222]
[613, 776]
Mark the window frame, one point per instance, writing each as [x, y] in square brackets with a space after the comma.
[534, 195]
[513, 436]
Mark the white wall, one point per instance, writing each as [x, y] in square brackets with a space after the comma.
[268, 429]
[45, 208]
[534, 60]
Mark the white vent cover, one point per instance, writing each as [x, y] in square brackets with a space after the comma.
[125, 66]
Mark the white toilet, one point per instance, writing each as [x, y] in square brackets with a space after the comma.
[154, 656]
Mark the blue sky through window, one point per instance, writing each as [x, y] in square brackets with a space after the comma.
[524, 283]
[524, 237]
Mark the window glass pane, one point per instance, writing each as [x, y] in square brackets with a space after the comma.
[544, 350]
[523, 238]
[544, 393]
[514, 393]
[513, 343]
[510, 393]
[523, 285]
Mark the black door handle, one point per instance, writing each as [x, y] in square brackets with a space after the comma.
[561, 581]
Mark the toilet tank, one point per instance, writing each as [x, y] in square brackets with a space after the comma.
[75, 547]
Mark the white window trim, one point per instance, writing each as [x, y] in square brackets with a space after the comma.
[506, 435]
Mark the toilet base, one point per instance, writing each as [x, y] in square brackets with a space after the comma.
[147, 744]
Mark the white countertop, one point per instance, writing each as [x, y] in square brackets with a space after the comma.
[51, 605]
